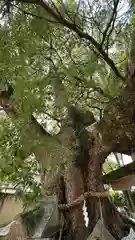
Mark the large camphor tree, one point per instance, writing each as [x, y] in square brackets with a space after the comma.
[67, 75]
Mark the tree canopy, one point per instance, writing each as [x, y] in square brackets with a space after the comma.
[56, 54]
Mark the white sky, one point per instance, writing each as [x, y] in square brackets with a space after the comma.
[127, 159]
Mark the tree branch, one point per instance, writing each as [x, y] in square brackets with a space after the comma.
[32, 14]
[84, 35]
[78, 31]
[110, 21]
[115, 132]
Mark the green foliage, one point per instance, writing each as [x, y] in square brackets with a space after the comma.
[118, 199]
[20, 173]
[50, 67]
[31, 218]
[109, 166]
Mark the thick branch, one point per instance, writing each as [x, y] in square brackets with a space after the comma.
[117, 127]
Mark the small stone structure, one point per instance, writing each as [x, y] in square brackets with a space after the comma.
[40, 223]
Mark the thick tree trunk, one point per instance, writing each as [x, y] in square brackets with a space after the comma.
[85, 174]
[116, 224]
[74, 188]
[116, 134]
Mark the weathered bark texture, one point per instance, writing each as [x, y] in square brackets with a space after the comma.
[74, 188]
[85, 174]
